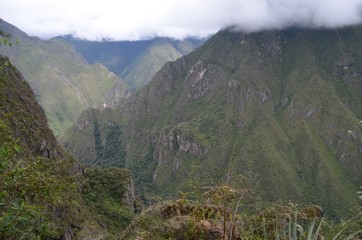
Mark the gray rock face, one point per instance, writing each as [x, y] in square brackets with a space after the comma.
[174, 145]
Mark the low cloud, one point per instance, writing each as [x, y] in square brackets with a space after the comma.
[137, 19]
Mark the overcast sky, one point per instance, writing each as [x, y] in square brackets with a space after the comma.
[135, 19]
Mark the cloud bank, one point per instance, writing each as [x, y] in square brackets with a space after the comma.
[139, 19]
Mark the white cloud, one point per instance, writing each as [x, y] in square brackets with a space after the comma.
[134, 19]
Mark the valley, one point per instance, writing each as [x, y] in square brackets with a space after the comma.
[69, 76]
[62, 81]
[134, 61]
[241, 136]
[269, 104]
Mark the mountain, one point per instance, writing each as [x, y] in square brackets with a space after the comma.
[134, 61]
[281, 108]
[32, 163]
[44, 192]
[23, 117]
[63, 82]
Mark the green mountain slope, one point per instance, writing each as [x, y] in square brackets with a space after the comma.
[62, 81]
[134, 61]
[143, 68]
[282, 106]
[33, 165]
[23, 116]
[44, 192]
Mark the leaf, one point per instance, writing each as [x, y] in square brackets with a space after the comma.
[23, 219]
[17, 148]
[318, 230]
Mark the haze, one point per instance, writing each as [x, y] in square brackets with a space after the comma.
[140, 19]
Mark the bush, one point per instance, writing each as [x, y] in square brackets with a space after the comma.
[29, 190]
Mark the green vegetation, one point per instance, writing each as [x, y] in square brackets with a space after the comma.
[30, 190]
[143, 170]
[63, 82]
[104, 193]
[135, 61]
[43, 192]
[107, 155]
[220, 213]
[104, 148]
[40, 199]
[4, 39]
[143, 68]
[283, 105]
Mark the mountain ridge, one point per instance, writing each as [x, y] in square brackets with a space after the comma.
[134, 61]
[280, 105]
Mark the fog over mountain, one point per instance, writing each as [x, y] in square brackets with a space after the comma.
[140, 19]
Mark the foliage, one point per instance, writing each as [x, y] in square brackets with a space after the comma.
[273, 103]
[214, 213]
[142, 172]
[29, 192]
[186, 219]
[39, 182]
[104, 192]
[4, 38]
[111, 152]
[290, 222]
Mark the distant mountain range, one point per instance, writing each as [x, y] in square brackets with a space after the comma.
[134, 61]
[63, 82]
[281, 108]
[70, 75]
[276, 114]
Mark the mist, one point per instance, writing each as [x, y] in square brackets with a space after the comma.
[140, 19]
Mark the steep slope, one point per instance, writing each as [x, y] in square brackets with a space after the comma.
[44, 192]
[100, 140]
[32, 164]
[282, 106]
[134, 61]
[23, 116]
[62, 81]
[143, 68]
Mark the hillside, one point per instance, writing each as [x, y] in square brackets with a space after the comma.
[61, 79]
[134, 61]
[44, 192]
[282, 107]
[31, 160]
[23, 117]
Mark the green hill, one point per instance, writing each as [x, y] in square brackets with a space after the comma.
[283, 107]
[62, 81]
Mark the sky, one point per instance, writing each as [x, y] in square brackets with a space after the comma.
[141, 19]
